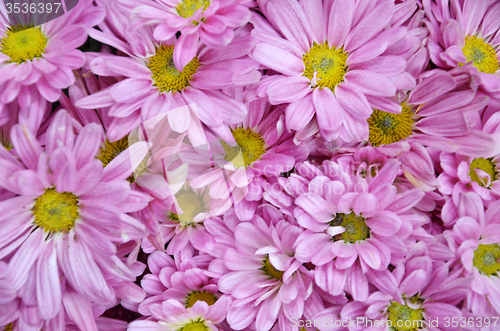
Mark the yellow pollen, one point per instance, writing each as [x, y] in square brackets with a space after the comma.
[191, 205]
[56, 212]
[482, 55]
[250, 144]
[355, 227]
[8, 327]
[487, 259]
[110, 150]
[388, 128]
[198, 325]
[165, 76]
[187, 7]
[486, 165]
[328, 63]
[23, 44]
[270, 270]
[195, 296]
[409, 319]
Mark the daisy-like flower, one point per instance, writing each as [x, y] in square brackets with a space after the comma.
[43, 56]
[354, 225]
[427, 297]
[257, 146]
[466, 33]
[336, 60]
[66, 217]
[171, 315]
[152, 83]
[264, 278]
[182, 279]
[212, 22]
[475, 239]
[435, 114]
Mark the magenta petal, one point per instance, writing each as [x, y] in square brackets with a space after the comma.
[278, 59]
[369, 254]
[371, 83]
[79, 310]
[432, 86]
[299, 113]
[385, 223]
[48, 285]
[329, 113]
[87, 144]
[339, 22]
[371, 24]
[289, 89]
[130, 89]
[25, 258]
[268, 312]
[26, 145]
[353, 101]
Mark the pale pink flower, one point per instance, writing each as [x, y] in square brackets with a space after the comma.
[66, 217]
[211, 22]
[51, 57]
[337, 60]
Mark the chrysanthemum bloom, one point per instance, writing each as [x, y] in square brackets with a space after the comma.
[463, 33]
[265, 280]
[435, 114]
[475, 239]
[257, 146]
[211, 22]
[152, 82]
[354, 225]
[335, 60]
[465, 173]
[172, 315]
[427, 295]
[44, 55]
[182, 279]
[62, 226]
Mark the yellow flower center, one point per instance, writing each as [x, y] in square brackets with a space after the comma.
[23, 44]
[355, 227]
[195, 296]
[487, 259]
[8, 327]
[110, 150]
[191, 204]
[249, 147]
[187, 7]
[270, 270]
[165, 76]
[486, 165]
[388, 128]
[404, 318]
[482, 55]
[198, 325]
[56, 212]
[328, 64]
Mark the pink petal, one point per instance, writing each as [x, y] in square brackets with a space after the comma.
[278, 59]
[329, 113]
[48, 284]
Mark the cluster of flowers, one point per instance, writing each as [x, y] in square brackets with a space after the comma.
[251, 165]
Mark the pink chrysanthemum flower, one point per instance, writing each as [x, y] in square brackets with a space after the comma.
[172, 315]
[466, 32]
[257, 146]
[475, 239]
[435, 113]
[264, 278]
[66, 217]
[427, 298]
[44, 55]
[183, 279]
[355, 224]
[211, 22]
[465, 173]
[337, 60]
[150, 81]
